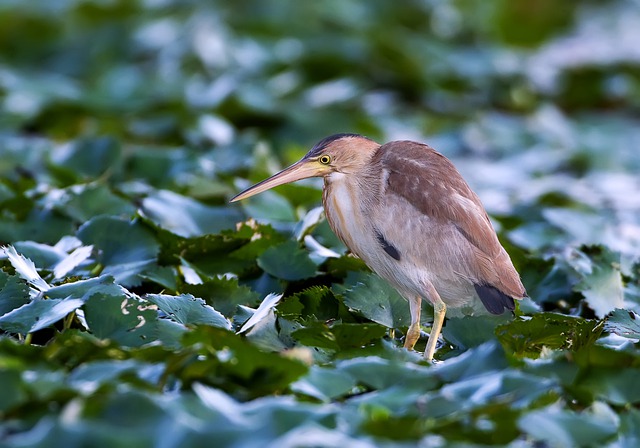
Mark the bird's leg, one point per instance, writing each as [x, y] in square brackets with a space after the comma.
[439, 310]
[413, 334]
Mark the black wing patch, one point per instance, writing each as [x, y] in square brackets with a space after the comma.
[387, 246]
[494, 300]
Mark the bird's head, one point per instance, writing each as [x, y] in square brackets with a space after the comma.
[342, 153]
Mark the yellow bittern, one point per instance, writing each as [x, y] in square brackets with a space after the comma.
[406, 211]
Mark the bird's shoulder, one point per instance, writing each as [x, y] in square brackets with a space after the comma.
[416, 166]
[430, 183]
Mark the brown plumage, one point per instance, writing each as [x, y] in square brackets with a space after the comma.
[408, 213]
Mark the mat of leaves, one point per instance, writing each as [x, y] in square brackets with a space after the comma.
[138, 308]
[142, 329]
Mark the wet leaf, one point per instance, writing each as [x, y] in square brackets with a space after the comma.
[187, 217]
[13, 293]
[602, 281]
[376, 300]
[254, 372]
[188, 310]
[89, 156]
[287, 261]
[527, 337]
[566, 428]
[125, 248]
[325, 383]
[623, 323]
[38, 314]
[265, 308]
[123, 319]
[26, 269]
[83, 202]
[223, 294]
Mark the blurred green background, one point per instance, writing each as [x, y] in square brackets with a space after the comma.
[536, 102]
[213, 73]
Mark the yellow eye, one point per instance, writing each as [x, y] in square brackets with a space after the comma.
[325, 159]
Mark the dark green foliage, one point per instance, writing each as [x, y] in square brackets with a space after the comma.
[154, 313]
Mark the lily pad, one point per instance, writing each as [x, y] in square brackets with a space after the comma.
[376, 300]
[287, 261]
[38, 314]
[188, 310]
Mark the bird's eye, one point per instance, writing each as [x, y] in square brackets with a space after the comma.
[325, 159]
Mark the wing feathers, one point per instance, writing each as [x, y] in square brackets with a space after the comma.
[430, 183]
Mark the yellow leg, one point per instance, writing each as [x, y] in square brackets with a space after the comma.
[439, 310]
[413, 334]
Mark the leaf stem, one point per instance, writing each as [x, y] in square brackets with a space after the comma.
[68, 320]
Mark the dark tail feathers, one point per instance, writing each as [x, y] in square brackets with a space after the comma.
[494, 300]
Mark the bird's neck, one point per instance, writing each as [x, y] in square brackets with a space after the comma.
[345, 209]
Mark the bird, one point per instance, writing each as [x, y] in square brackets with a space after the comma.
[406, 211]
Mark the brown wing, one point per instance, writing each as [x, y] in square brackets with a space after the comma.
[429, 182]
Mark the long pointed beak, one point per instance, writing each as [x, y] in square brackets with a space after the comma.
[302, 169]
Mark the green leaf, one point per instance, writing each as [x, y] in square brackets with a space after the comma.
[338, 336]
[248, 371]
[317, 302]
[91, 375]
[618, 386]
[629, 431]
[83, 202]
[188, 310]
[602, 281]
[486, 358]
[471, 331]
[70, 262]
[623, 323]
[14, 391]
[559, 427]
[26, 269]
[120, 240]
[268, 333]
[121, 318]
[83, 289]
[13, 292]
[270, 206]
[287, 261]
[223, 294]
[40, 225]
[212, 254]
[352, 335]
[316, 334]
[170, 333]
[527, 337]
[258, 238]
[325, 383]
[518, 389]
[89, 156]
[379, 373]
[42, 255]
[126, 248]
[376, 300]
[265, 309]
[38, 314]
[187, 217]
[165, 276]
